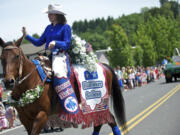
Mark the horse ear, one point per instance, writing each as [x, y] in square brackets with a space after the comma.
[2, 42]
[19, 41]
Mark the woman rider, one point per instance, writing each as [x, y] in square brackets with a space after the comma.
[57, 37]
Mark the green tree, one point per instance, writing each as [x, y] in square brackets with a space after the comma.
[160, 36]
[144, 10]
[149, 55]
[167, 9]
[138, 55]
[126, 56]
[165, 34]
[129, 23]
[35, 35]
[175, 8]
[162, 2]
[98, 41]
[145, 42]
[121, 53]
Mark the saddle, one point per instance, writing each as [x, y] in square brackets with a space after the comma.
[45, 63]
[44, 67]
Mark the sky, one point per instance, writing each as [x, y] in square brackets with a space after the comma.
[15, 14]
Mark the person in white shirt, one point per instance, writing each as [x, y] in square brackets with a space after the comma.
[120, 76]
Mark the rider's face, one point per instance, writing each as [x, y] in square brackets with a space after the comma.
[52, 18]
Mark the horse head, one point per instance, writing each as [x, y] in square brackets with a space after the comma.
[11, 60]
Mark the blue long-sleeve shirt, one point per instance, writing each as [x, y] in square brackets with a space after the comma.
[59, 33]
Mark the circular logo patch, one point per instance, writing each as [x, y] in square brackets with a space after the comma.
[71, 104]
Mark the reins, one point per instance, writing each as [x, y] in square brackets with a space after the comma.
[19, 81]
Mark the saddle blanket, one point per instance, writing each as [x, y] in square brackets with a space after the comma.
[94, 94]
[40, 70]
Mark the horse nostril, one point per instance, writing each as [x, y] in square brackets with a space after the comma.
[10, 81]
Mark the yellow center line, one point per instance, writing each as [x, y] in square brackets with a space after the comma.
[150, 107]
[148, 113]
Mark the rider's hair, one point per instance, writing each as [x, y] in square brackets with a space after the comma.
[61, 19]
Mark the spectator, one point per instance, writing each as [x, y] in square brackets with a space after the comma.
[138, 79]
[133, 72]
[131, 79]
[144, 78]
[3, 120]
[125, 77]
[156, 73]
[10, 115]
[147, 71]
[119, 75]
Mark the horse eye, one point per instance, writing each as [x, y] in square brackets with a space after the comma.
[17, 56]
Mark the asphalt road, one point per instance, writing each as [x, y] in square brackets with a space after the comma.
[152, 109]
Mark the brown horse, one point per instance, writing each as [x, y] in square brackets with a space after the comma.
[16, 66]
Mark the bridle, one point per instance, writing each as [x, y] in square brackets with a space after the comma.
[19, 80]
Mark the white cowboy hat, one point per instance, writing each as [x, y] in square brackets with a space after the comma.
[54, 9]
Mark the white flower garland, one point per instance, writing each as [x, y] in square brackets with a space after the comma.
[28, 97]
[79, 54]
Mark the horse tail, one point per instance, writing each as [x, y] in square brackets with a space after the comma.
[118, 101]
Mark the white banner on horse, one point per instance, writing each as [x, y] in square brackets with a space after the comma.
[93, 89]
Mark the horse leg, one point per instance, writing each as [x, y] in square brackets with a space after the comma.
[115, 128]
[39, 123]
[28, 127]
[26, 122]
[96, 130]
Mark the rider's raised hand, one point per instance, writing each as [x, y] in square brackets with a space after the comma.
[24, 31]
